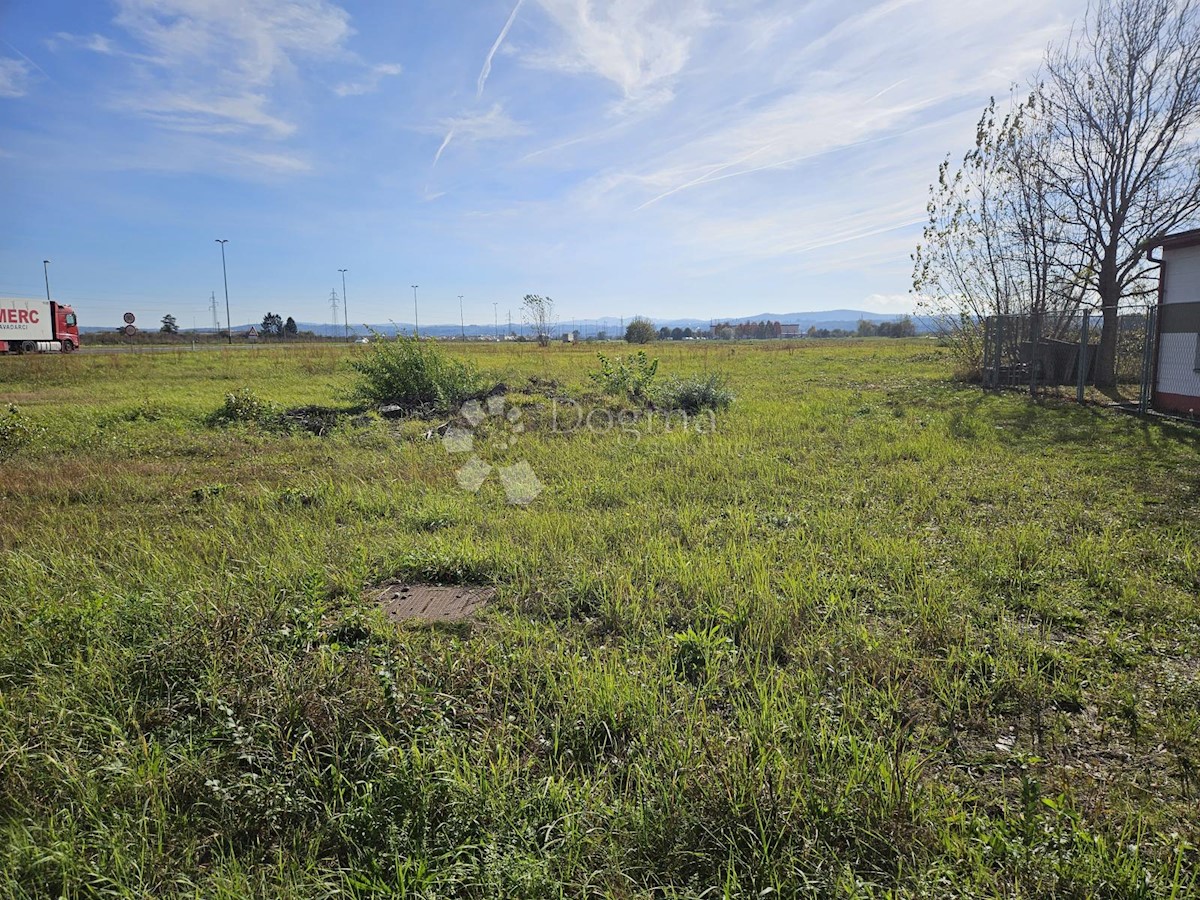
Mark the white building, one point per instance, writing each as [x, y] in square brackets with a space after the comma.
[1177, 373]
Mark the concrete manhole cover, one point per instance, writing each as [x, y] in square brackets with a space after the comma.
[432, 603]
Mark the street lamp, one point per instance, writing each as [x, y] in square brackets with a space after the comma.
[345, 311]
[46, 272]
[225, 275]
[462, 322]
[416, 321]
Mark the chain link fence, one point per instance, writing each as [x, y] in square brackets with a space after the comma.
[1056, 355]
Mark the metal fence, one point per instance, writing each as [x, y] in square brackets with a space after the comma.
[1055, 355]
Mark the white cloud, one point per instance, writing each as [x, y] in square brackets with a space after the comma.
[890, 303]
[228, 69]
[279, 163]
[216, 60]
[370, 82]
[210, 114]
[191, 152]
[808, 140]
[14, 77]
[639, 46]
[97, 43]
[492, 125]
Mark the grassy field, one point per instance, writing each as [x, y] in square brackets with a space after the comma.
[866, 633]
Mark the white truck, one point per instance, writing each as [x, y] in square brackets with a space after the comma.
[37, 326]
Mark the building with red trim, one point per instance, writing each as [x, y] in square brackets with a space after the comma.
[1177, 364]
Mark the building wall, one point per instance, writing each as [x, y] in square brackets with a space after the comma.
[1181, 275]
[1178, 385]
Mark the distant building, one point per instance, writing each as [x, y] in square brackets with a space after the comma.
[1177, 365]
[789, 330]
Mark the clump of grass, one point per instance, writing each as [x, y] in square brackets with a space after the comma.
[695, 394]
[16, 432]
[626, 376]
[415, 375]
[245, 406]
[697, 652]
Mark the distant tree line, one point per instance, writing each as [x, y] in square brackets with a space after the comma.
[273, 325]
[675, 334]
[749, 331]
[901, 328]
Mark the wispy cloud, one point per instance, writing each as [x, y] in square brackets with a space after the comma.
[14, 77]
[487, 63]
[215, 62]
[229, 69]
[492, 125]
[97, 43]
[639, 46]
[209, 113]
[370, 82]
[796, 130]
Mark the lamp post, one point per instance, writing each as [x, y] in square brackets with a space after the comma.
[416, 318]
[345, 311]
[225, 276]
[46, 272]
[462, 322]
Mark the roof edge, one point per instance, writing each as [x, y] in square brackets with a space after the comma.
[1178, 240]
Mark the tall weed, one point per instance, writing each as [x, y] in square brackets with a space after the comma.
[414, 374]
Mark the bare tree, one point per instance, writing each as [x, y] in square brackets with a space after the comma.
[994, 243]
[538, 312]
[1121, 98]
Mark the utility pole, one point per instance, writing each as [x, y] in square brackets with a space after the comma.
[333, 306]
[345, 305]
[416, 319]
[216, 316]
[510, 331]
[46, 272]
[462, 322]
[225, 275]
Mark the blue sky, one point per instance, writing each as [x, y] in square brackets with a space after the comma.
[677, 158]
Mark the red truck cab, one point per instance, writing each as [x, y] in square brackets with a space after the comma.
[37, 326]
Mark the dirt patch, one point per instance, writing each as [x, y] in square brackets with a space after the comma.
[432, 603]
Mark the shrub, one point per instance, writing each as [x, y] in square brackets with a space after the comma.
[16, 432]
[695, 394]
[626, 376]
[243, 405]
[414, 374]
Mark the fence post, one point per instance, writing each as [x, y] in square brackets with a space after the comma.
[1148, 372]
[1035, 337]
[997, 351]
[987, 353]
[1082, 359]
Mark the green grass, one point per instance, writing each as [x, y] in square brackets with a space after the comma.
[864, 633]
